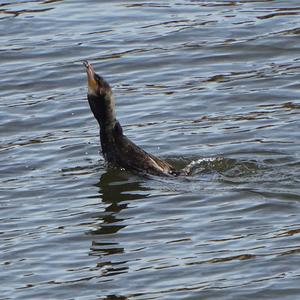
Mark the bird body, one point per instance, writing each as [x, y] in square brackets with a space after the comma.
[117, 149]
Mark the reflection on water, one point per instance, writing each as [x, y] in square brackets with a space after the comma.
[211, 86]
[116, 191]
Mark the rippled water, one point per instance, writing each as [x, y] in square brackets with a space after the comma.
[213, 84]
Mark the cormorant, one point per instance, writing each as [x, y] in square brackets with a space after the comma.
[117, 149]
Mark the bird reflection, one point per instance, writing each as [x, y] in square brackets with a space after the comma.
[117, 189]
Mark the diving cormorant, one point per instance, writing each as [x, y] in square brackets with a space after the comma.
[117, 149]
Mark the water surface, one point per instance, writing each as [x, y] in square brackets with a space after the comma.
[211, 83]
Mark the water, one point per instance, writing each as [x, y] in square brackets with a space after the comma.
[213, 84]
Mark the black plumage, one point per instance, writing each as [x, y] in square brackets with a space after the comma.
[117, 149]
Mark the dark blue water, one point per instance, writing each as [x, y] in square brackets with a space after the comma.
[213, 84]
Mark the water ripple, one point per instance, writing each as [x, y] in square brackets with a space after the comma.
[211, 86]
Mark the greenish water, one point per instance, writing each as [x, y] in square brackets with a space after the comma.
[214, 84]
